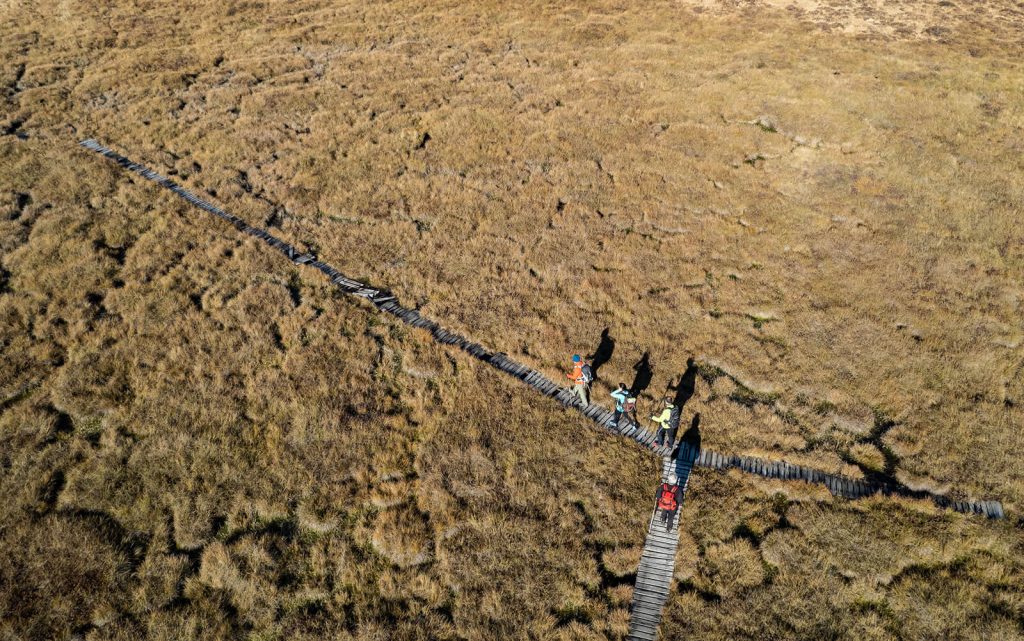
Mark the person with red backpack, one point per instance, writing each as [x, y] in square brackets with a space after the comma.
[669, 497]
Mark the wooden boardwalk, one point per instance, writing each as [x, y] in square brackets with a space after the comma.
[386, 302]
[658, 562]
[837, 484]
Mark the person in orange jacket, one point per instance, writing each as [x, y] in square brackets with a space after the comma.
[581, 376]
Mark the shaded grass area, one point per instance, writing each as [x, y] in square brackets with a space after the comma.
[198, 441]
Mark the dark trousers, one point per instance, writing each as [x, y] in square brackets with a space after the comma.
[629, 416]
[665, 436]
[667, 517]
[660, 438]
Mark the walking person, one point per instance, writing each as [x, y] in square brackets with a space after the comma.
[673, 422]
[582, 375]
[664, 422]
[669, 497]
[625, 405]
[630, 411]
[620, 395]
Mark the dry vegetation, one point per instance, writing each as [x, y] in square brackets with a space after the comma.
[198, 441]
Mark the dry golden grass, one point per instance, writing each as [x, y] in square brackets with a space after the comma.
[821, 199]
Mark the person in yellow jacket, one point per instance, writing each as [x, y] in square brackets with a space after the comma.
[665, 422]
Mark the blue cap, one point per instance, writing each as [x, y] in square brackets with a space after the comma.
[576, 358]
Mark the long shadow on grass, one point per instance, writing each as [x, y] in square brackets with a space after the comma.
[684, 391]
[603, 353]
[692, 435]
[644, 375]
[687, 384]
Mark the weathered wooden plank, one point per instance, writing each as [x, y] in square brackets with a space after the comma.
[657, 563]
[650, 609]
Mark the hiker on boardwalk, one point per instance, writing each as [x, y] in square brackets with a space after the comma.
[673, 422]
[664, 421]
[625, 405]
[582, 375]
[669, 497]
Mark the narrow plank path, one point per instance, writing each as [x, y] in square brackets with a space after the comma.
[658, 562]
[386, 302]
[837, 484]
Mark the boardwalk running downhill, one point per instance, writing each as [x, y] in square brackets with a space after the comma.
[657, 564]
[603, 418]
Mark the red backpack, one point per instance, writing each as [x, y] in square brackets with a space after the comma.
[667, 498]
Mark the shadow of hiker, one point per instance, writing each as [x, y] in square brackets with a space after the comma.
[603, 353]
[644, 375]
[687, 384]
[692, 435]
[686, 452]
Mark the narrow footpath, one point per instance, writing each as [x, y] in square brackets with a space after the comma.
[658, 562]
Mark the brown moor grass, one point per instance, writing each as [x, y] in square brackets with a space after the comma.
[820, 200]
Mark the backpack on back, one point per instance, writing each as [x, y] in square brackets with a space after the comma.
[667, 499]
[673, 419]
[588, 374]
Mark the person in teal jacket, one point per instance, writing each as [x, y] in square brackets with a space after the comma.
[625, 404]
[620, 394]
